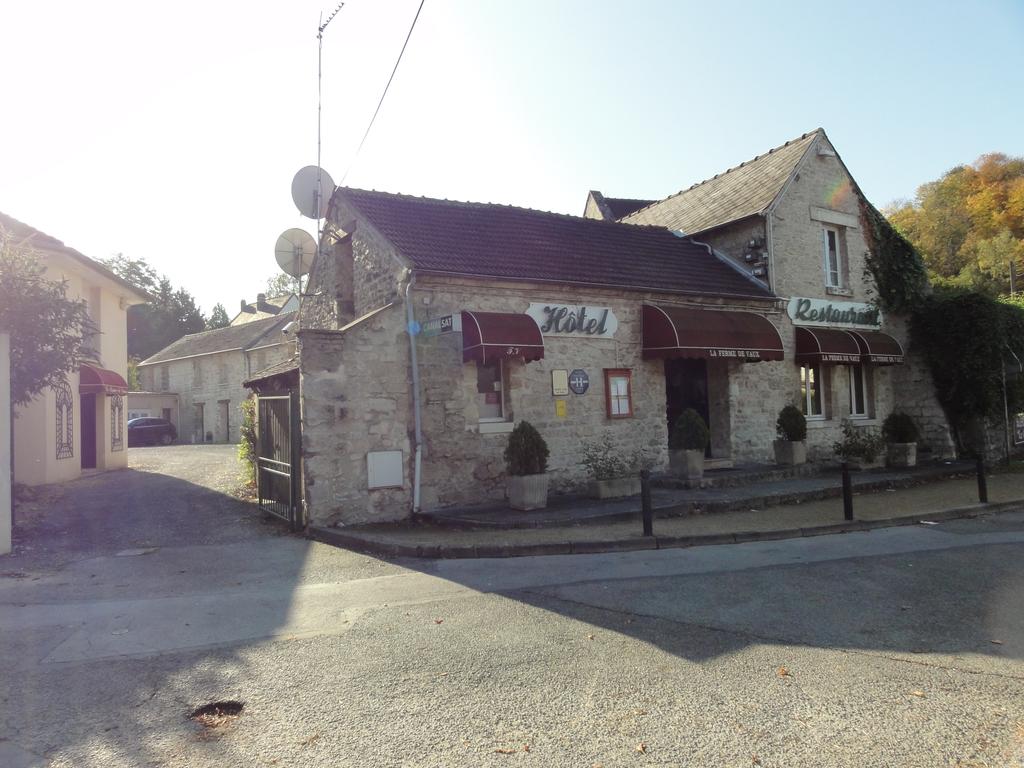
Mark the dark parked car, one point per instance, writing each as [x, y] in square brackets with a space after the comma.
[150, 431]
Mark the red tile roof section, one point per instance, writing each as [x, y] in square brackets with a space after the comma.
[504, 242]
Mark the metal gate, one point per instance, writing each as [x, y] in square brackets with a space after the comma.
[277, 457]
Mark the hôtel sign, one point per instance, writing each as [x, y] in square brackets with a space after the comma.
[834, 314]
[574, 320]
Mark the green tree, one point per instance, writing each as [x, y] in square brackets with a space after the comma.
[282, 284]
[218, 317]
[46, 327]
[172, 313]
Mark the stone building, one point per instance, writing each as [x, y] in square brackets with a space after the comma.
[265, 307]
[791, 218]
[735, 297]
[80, 425]
[206, 371]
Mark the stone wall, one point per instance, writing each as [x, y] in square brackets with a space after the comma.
[732, 241]
[822, 183]
[463, 460]
[209, 388]
[359, 273]
[355, 398]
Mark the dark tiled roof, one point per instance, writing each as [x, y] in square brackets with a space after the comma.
[623, 206]
[501, 241]
[34, 238]
[230, 337]
[739, 192]
[285, 366]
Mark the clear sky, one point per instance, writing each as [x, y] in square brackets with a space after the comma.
[171, 131]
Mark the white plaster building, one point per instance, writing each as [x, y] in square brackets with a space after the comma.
[80, 425]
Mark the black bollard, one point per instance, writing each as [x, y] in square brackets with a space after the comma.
[847, 493]
[645, 502]
[982, 482]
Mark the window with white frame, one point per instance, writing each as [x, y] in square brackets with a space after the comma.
[859, 405]
[811, 391]
[833, 258]
[490, 390]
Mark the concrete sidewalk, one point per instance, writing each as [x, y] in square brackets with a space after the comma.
[940, 500]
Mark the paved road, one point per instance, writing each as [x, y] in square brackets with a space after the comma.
[900, 647]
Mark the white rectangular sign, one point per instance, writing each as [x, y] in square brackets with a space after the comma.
[577, 320]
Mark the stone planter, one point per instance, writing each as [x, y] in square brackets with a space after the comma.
[789, 453]
[688, 465]
[902, 454]
[859, 464]
[615, 487]
[526, 492]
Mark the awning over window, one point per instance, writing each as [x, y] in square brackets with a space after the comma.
[490, 336]
[708, 333]
[826, 345]
[878, 348]
[95, 380]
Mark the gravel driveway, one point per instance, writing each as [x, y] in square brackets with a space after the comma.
[177, 495]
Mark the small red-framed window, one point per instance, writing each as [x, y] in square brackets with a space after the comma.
[618, 392]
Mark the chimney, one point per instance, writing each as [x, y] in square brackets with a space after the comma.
[262, 306]
[246, 307]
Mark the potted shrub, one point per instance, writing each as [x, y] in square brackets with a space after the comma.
[614, 475]
[526, 457]
[791, 428]
[861, 448]
[900, 432]
[687, 443]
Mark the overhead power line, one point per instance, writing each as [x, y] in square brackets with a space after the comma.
[385, 93]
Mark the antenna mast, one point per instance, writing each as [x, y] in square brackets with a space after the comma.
[319, 79]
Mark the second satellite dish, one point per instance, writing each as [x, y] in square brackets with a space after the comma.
[310, 198]
[294, 252]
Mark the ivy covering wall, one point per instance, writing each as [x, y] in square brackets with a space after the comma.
[966, 337]
[899, 274]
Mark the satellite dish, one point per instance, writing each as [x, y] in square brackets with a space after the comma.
[294, 252]
[310, 199]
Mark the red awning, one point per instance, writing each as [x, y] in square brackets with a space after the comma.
[489, 336]
[826, 345]
[878, 348]
[708, 333]
[93, 379]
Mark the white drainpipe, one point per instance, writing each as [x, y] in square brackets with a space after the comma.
[410, 319]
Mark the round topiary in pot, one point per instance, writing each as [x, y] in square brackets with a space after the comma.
[689, 433]
[791, 424]
[526, 452]
[899, 428]
[687, 443]
[526, 457]
[791, 428]
[901, 434]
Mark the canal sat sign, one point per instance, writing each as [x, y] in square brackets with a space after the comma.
[444, 324]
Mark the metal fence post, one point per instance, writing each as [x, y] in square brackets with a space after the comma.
[847, 493]
[982, 482]
[645, 502]
[294, 458]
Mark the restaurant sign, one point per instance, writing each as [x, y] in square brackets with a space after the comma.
[834, 314]
[574, 320]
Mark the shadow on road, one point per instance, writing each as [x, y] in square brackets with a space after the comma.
[953, 602]
[95, 557]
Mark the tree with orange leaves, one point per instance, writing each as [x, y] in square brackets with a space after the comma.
[969, 224]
